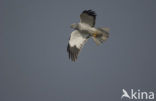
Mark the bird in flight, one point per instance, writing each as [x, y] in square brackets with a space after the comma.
[83, 31]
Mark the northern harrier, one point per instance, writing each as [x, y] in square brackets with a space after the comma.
[83, 31]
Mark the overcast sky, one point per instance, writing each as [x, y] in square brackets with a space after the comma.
[34, 64]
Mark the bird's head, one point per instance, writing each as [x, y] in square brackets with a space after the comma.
[74, 26]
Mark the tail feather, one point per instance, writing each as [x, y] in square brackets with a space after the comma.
[105, 29]
[97, 41]
[102, 37]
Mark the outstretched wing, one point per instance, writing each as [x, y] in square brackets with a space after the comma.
[88, 17]
[76, 42]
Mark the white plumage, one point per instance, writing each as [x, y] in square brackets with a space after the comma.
[84, 30]
[77, 39]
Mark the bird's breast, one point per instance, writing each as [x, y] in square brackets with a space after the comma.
[86, 28]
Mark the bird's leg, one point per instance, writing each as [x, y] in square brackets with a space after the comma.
[95, 34]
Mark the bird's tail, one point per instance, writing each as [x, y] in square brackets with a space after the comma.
[100, 38]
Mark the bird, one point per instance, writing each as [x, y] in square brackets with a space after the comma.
[125, 94]
[84, 30]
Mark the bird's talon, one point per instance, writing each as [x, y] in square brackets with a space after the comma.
[94, 34]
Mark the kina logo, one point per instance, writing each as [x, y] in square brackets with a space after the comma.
[138, 94]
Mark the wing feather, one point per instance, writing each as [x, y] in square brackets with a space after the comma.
[88, 17]
[76, 42]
